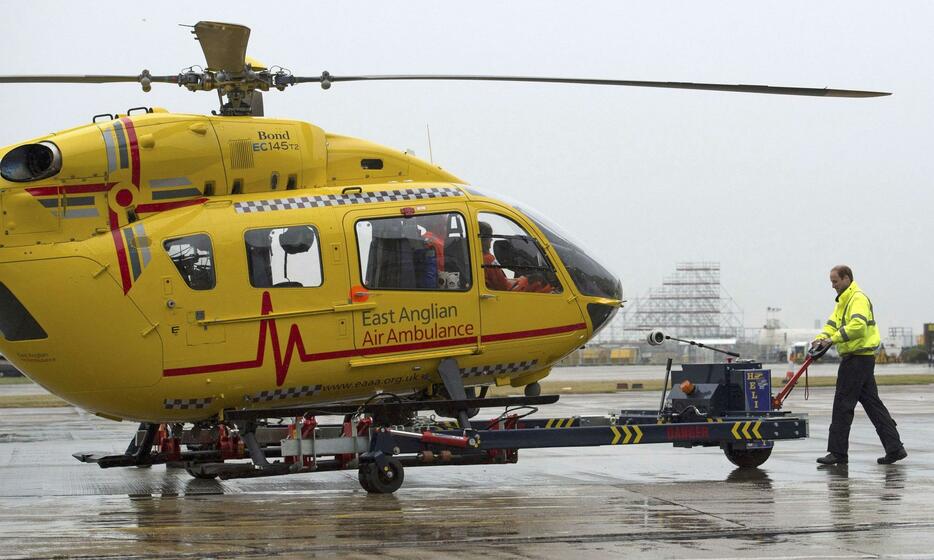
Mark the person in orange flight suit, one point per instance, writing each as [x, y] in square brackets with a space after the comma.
[493, 273]
[495, 277]
[435, 232]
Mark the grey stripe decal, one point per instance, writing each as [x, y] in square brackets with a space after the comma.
[79, 201]
[111, 150]
[162, 195]
[69, 201]
[170, 182]
[858, 316]
[134, 257]
[832, 323]
[121, 142]
[144, 250]
[81, 213]
[843, 335]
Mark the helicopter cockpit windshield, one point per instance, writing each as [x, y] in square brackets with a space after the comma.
[590, 277]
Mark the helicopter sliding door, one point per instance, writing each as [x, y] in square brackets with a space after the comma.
[528, 309]
[251, 305]
[413, 266]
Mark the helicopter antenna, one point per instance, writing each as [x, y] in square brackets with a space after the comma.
[431, 157]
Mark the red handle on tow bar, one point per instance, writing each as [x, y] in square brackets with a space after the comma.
[778, 399]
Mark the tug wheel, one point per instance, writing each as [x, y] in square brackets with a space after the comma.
[198, 473]
[386, 480]
[747, 458]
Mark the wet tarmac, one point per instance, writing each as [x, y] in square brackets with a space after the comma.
[657, 372]
[649, 501]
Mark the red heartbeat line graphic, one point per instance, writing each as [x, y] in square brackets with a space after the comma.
[267, 327]
[295, 342]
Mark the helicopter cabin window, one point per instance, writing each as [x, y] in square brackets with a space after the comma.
[512, 259]
[414, 252]
[284, 257]
[194, 258]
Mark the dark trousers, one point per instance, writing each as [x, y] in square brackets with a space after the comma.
[856, 383]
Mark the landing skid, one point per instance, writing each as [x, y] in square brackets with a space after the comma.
[381, 439]
[250, 438]
[380, 452]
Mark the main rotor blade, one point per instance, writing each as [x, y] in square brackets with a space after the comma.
[83, 79]
[224, 45]
[326, 79]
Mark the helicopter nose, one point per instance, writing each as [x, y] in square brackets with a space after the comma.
[601, 313]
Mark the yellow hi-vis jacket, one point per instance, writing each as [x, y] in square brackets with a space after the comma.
[852, 325]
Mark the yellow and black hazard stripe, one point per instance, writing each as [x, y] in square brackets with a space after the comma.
[748, 430]
[624, 435]
[560, 422]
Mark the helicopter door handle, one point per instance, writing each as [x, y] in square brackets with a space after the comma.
[488, 296]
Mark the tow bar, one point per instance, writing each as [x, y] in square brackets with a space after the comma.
[814, 354]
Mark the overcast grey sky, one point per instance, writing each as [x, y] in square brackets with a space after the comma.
[778, 189]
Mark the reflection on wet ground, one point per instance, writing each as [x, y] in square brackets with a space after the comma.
[656, 372]
[639, 501]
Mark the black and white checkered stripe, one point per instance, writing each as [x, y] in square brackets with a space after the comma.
[282, 394]
[187, 404]
[497, 369]
[300, 202]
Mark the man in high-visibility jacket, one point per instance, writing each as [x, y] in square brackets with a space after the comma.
[852, 328]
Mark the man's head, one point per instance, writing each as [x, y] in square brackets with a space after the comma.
[841, 276]
[486, 236]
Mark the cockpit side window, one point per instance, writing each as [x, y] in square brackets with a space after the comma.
[193, 256]
[591, 278]
[284, 257]
[512, 259]
[418, 252]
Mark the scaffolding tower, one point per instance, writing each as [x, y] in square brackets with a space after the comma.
[690, 303]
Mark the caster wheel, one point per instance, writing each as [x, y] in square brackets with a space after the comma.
[747, 458]
[533, 389]
[196, 472]
[381, 481]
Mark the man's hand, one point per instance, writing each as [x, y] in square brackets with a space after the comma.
[820, 343]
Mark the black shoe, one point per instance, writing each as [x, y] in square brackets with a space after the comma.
[832, 459]
[892, 457]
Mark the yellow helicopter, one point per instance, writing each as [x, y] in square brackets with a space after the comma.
[166, 268]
